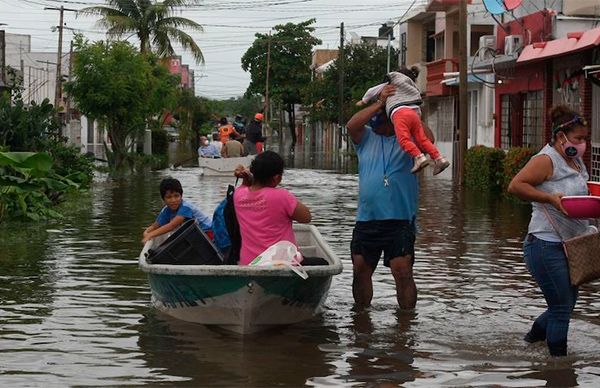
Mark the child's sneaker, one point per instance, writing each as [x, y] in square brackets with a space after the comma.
[420, 163]
[440, 164]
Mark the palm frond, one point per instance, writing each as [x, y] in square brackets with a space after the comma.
[186, 41]
[179, 22]
[100, 11]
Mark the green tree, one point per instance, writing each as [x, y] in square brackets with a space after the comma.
[154, 24]
[289, 72]
[364, 66]
[124, 89]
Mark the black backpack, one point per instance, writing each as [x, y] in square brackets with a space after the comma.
[233, 228]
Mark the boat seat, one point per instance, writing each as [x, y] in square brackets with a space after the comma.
[308, 250]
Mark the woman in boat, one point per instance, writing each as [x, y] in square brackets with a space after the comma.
[557, 170]
[265, 212]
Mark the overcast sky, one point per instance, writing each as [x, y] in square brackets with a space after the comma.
[229, 28]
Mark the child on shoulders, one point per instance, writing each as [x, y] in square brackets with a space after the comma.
[265, 212]
[176, 211]
[403, 110]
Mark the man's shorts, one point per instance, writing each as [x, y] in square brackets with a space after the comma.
[395, 238]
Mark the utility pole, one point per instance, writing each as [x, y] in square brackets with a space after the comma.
[58, 86]
[68, 105]
[267, 103]
[3, 59]
[463, 104]
[390, 32]
[341, 82]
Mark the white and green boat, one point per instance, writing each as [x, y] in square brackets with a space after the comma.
[244, 299]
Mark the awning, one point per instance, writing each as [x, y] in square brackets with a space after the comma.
[574, 42]
[471, 79]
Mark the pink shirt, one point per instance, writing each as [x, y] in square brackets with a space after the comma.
[265, 218]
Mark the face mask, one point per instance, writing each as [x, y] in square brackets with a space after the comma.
[573, 150]
[376, 120]
[205, 142]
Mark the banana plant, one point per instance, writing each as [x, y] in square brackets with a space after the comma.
[29, 187]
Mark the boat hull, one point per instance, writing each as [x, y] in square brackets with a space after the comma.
[244, 299]
[243, 305]
[222, 166]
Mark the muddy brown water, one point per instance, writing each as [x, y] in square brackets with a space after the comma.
[75, 309]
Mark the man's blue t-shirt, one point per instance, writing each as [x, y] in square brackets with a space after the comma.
[380, 156]
[187, 210]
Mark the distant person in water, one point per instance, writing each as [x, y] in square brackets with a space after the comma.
[265, 213]
[175, 212]
[254, 135]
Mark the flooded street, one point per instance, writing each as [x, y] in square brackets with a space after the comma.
[75, 309]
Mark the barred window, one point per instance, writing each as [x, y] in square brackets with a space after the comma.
[505, 122]
[533, 120]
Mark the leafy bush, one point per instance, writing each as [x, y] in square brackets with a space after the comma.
[29, 187]
[483, 168]
[24, 128]
[516, 159]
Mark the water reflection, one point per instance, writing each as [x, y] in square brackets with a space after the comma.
[75, 308]
[203, 356]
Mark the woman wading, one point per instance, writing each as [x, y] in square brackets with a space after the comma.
[556, 171]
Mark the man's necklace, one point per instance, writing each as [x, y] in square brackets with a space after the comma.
[386, 181]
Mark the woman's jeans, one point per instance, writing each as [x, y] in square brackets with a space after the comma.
[548, 265]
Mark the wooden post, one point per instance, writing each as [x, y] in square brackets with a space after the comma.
[463, 104]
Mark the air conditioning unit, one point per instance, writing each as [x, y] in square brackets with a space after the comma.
[512, 44]
[487, 45]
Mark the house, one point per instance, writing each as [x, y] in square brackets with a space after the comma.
[539, 60]
[36, 72]
[429, 40]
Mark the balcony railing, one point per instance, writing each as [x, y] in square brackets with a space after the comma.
[435, 75]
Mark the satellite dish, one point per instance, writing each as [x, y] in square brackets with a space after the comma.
[512, 4]
[495, 7]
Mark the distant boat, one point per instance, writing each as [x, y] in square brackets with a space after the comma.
[244, 299]
[222, 166]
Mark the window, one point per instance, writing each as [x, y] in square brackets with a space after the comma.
[505, 122]
[440, 118]
[533, 120]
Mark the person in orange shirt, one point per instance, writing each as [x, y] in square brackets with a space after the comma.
[227, 130]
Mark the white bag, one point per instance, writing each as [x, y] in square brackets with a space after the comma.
[282, 253]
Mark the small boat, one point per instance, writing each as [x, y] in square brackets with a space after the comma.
[222, 166]
[244, 299]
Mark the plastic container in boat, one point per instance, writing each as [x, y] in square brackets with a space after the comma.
[187, 246]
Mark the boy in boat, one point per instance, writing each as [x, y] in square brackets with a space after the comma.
[175, 212]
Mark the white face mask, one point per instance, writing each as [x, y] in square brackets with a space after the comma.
[205, 142]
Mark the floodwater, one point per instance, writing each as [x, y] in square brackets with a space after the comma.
[75, 309]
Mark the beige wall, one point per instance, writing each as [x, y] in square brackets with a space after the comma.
[414, 42]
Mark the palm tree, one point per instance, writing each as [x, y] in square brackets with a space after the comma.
[153, 22]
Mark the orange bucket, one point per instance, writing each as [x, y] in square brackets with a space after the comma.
[594, 188]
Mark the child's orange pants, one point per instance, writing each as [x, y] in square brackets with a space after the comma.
[407, 124]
